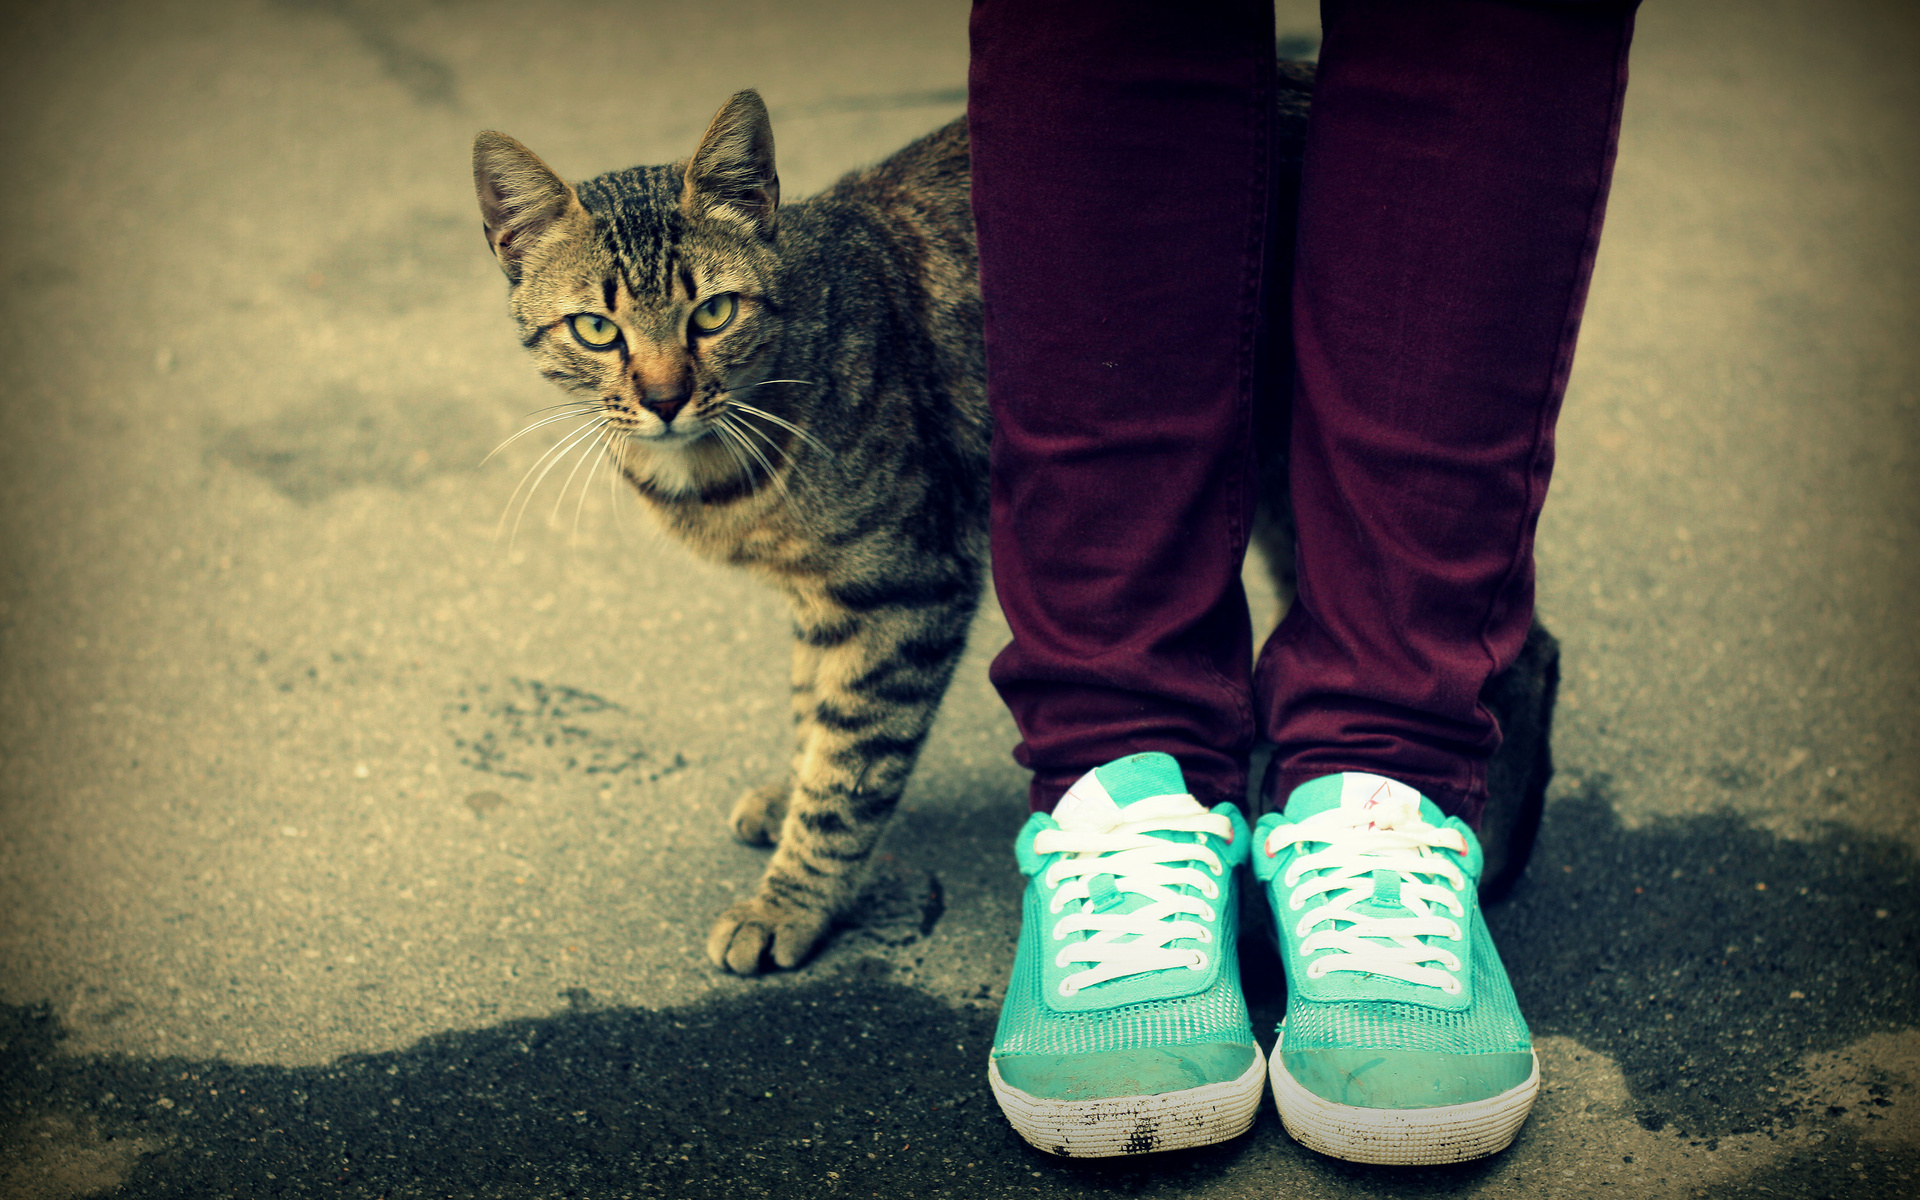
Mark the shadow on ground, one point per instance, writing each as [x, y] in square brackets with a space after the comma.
[1656, 947]
[1706, 956]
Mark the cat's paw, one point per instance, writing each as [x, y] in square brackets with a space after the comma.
[757, 814]
[753, 931]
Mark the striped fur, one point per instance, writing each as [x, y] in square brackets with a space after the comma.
[832, 437]
[860, 493]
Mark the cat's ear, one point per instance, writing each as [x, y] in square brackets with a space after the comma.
[731, 175]
[520, 197]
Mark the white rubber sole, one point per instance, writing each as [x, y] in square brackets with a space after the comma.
[1403, 1136]
[1133, 1124]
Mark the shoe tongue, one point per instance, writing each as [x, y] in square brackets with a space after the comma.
[1141, 775]
[1367, 802]
[1095, 800]
[1379, 802]
[1370, 800]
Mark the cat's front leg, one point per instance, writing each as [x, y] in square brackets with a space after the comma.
[876, 686]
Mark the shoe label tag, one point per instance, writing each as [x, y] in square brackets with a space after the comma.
[1377, 802]
[1087, 808]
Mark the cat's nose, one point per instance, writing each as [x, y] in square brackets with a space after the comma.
[666, 407]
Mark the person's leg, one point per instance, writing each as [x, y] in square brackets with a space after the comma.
[1458, 160]
[1456, 171]
[1121, 194]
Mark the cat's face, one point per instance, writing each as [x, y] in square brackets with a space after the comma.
[657, 314]
[649, 294]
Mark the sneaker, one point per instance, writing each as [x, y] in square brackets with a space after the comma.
[1402, 1041]
[1124, 1030]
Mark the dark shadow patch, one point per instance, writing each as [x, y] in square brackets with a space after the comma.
[895, 908]
[346, 439]
[1660, 948]
[329, 673]
[528, 729]
[36, 275]
[429, 81]
[1735, 777]
[1297, 45]
[483, 803]
[933, 905]
[883, 102]
[1841, 1164]
[849, 1085]
[786, 1088]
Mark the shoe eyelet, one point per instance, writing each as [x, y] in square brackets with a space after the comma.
[1303, 929]
[1207, 913]
[1451, 987]
[1294, 903]
[1206, 936]
[1314, 971]
[1067, 989]
[1199, 961]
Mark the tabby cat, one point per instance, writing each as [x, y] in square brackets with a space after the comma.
[800, 390]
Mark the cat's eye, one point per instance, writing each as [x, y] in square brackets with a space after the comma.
[594, 332]
[716, 314]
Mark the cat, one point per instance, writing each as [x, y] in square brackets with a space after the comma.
[800, 390]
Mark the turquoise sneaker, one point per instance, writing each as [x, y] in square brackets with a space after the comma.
[1124, 1030]
[1402, 1042]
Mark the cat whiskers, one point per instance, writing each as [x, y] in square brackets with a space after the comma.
[575, 408]
[731, 426]
[614, 476]
[589, 456]
[601, 454]
[735, 442]
[738, 432]
[557, 453]
[759, 433]
[782, 422]
[733, 452]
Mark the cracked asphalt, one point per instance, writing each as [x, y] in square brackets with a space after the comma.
[350, 847]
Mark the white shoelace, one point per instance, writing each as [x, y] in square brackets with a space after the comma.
[1359, 862]
[1134, 862]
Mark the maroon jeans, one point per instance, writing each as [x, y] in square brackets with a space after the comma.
[1135, 267]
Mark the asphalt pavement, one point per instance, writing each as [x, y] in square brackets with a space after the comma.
[350, 848]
